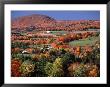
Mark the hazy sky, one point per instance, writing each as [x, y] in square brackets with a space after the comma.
[61, 15]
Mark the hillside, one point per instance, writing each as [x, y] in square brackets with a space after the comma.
[43, 22]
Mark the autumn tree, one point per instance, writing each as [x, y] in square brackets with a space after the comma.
[40, 65]
[27, 68]
[55, 69]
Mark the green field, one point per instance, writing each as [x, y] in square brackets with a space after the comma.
[58, 32]
[88, 41]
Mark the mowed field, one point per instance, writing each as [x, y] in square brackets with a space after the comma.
[84, 42]
[59, 32]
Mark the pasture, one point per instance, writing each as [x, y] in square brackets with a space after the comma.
[84, 42]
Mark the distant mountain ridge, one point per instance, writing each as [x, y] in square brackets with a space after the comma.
[44, 22]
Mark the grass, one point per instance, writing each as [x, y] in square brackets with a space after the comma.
[88, 41]
[58, 32]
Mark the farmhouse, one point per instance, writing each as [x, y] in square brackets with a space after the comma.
[25, 52]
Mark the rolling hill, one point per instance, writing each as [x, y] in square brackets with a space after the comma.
[44, 22]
